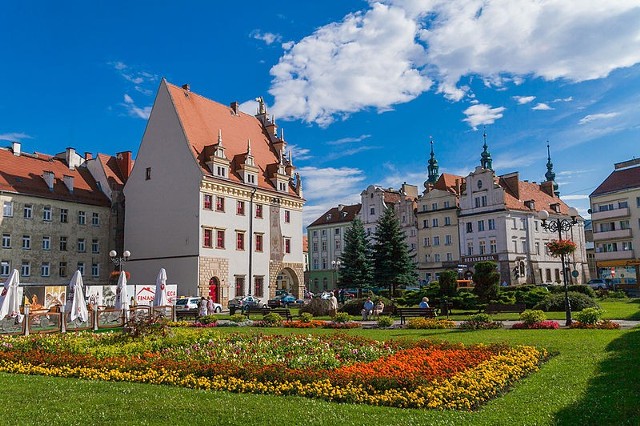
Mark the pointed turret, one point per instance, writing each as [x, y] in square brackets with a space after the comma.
[433, 167]
[485, 157]
[550, 175]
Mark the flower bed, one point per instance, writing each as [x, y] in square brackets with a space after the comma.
[541, 325]
[334, 368]
[602, 325]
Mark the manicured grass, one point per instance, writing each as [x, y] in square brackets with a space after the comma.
[592, 379]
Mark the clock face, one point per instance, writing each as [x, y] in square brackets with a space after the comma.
[479, 184]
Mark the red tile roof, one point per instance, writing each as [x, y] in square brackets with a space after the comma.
[447, 182]
[202, 118]
[335, 215]
[530, 191]
[305, 244]
[619, 180]
[23, 175]
[112, 170]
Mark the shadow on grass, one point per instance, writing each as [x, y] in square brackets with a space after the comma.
[612, 396]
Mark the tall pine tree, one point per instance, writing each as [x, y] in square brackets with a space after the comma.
[356, 263]
[393, 264]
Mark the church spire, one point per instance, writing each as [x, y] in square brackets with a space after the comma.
[550, 175]
[433, 166]
[485, 157]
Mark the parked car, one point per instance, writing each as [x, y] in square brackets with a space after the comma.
[597, 284]
[188, 304]
[241, 302]
[284, 300]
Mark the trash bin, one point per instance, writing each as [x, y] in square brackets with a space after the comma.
[232, 310]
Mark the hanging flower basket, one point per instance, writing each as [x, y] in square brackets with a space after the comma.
[116, 274]
[558, 248]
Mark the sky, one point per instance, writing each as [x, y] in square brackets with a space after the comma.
[359, 87]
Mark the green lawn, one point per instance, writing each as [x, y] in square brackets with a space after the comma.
[593, 379]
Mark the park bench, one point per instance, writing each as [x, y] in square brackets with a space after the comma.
[191, 313]
[415, 312]
[283, 312]
[253, 310]
[494, 308]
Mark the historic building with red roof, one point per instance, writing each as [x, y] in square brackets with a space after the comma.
[615, 213]
[214, 199]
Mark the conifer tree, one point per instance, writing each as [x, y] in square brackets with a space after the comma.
[356, 263]
[393, 264]
[487, 281]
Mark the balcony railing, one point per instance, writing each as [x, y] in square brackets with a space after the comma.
[612, 235]
[610, 214]
[614, 255]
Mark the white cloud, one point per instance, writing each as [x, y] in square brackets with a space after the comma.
[135, 111]
[575, 197]
[482, 114]
[14, 137]
[268, 38]
[137, 78]
[542, 107]
[342, 141]
[299, 153]
[592, 117]
[569, 99]
[393, 51]
[249, 107]
[523, 99]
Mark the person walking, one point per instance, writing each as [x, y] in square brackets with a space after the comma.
[202, 307]
[211, 308]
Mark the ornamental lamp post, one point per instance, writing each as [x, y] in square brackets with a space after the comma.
[335, 264]
[560, 225]
[119, 261]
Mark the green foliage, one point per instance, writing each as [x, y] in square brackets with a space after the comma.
[142, 326]
[589, 315]
[618, 294]
[482, 317]
[505, 298]
[530, 317]
[356, 261]
[487, 281]
[393, 266]
[342, 317]
[578, 288]
[207, 319]
[354, 306]
[237, 318]
[466, 300]
[532, 296]
[555, 302]
[306, 317]
[385, 321]
[413, 297]
[272, 319]
[448, 284]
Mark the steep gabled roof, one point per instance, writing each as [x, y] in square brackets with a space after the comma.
[530, 191]
[112, 170]
[23, 174]
[447, 182]
[202, 119]
[340, 214]
[619, 180]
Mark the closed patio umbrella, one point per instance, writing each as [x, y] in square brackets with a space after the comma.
[78, 306]
[160, 297]
[9, 298]
[122, 297]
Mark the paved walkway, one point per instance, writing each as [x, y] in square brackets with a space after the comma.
[624, 324]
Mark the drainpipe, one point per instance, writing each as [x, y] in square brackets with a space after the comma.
[253, 193]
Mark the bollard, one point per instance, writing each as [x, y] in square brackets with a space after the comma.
[26, 319]
[63, 320]
[174, 315]
[94, 313]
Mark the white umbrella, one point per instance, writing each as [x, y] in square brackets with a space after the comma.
[9, 298]
[122, 297]
[78, 306]
[160, 297]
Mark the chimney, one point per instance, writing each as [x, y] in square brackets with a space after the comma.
[73, 159]
[125, 164]
[340, 207]
[87, 156]
[458, 187]
[15, 147]
[68, 181]
[49, 177]
[547, 188]
[186, 87]
[235, 106]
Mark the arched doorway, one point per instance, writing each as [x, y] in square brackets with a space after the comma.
[288, 280]
[214, 289]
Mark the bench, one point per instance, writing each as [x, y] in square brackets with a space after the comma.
[494, 308]
[415, 312]
[283, 312]
[253, 310]
[191, 313]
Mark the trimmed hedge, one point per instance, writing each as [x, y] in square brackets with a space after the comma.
[554, 302]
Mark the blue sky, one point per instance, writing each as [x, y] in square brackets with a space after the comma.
[359, 87]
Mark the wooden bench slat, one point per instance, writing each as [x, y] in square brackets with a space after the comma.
[416, 312]
[493, 308]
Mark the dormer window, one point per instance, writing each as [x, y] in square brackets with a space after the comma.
[221, 171]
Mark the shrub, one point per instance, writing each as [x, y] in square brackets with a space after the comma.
[354, 306]
[465, 300]
[141, 326]
[530, 295]
[306, 317]
[487, 280]
[341, 318]
[480, 322]
[237, 318]
[555, 302]
[578, 288]
[207, 319]
[532, 316]
[542, 325]
[505, 299]
[272, 319]
[589, 315]
[618, 294]
[430, 323]
[385, 321]
[602, 325]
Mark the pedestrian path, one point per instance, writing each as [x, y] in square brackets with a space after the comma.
[624, 324]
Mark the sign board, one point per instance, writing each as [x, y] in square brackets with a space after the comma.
[145, 294]
[575, 274]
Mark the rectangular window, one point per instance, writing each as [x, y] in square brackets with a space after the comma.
[447, 240]
[338, 245]
[63, 243]
[26, 242]
[81, 245]
[425, 223]
[259, 211]
[95, 246]
[314, 247]
[95, 219]
[372, 211]
[64, 215]
[287, 216]
[95, 270]
[239, 240]
[259, 243]
[206, 237]
[449, 256]
[477, 201]
[469, 227]
[82, 218]
[46, 243]
[436, 257]
[434, 206]
[81, 268]
[7, 208]
[481, 225]
[492, 224]
[515, 246]
[470, 248]
[239, 286]
[46, 213]
[25, 269]
[287, 245]
[45, 269]
[436, 241]
[259, 284]
[4, 268]
[220, 238]
[62, 269]
[427, 241]
[447, 221]
[28, 211]
[207, 201]
[240, 208]
[219, 204]
[6, 240]
[537, 246]
[637, 201]
[524, 246]
[434, 222]
[483, 200]
[493, 246]
[483, 247]
[147, 175]
[324, 246]
[535, 225]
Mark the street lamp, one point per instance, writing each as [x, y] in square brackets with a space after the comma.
[560, 225]
[335, 264]
[119, 261]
